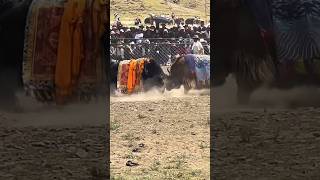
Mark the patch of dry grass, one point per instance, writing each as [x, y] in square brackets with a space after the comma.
[130, 9]
[175, 137]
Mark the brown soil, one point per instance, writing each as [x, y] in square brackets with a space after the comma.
[276, 137]
[167, 135]
[53, 143]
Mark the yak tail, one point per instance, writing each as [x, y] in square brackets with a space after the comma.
[254, 70]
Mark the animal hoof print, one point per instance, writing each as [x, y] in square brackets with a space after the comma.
[131, 164]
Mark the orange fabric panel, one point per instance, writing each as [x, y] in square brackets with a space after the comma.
[132, 76]
[139, 73]
[69, 49]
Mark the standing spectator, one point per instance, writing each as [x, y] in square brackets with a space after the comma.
[148, 32]
[202, 27]
[117, 18]
[197, 47]
[121, 34]
[165, 34]
[181, 32]
[127, 35]
[137, 21]
[173, 16]
[161, 30]
[128, 53]
[119, 50]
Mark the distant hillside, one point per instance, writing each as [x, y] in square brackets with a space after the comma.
[130, 9]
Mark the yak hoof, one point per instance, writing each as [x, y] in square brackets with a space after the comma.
[162, 90]
[186, 90]
[243, 98]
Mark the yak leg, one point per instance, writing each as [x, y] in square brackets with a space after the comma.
[244, 92]
[9, 101]
[186, 86]
[187, 83]
[243, 95]
[309, 66]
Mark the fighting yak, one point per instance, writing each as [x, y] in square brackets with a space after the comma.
[267, 43]
[152, 75]
[178, 21]
[187, 71]
[192, 21]
[12, 25]
[13, 22]
[158, 20]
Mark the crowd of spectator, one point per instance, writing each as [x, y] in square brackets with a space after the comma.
[160, 41]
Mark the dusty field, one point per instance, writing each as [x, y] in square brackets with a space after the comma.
[166, 135]
[46, 143]
[276, 137]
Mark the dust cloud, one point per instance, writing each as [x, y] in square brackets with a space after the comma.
[75, 115]
[225, 98]
[38, 114]
[156, 94]
[292, 98]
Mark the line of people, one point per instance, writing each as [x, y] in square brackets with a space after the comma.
[163, 51]
[151, 32]
[161, 43]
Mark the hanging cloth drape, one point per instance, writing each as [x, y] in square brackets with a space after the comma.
[70, 49]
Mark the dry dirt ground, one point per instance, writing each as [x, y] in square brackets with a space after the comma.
[50, 143]
[168, 136]
[276, 137]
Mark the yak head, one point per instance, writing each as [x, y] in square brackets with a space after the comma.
[177, 73]
[153, 75]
